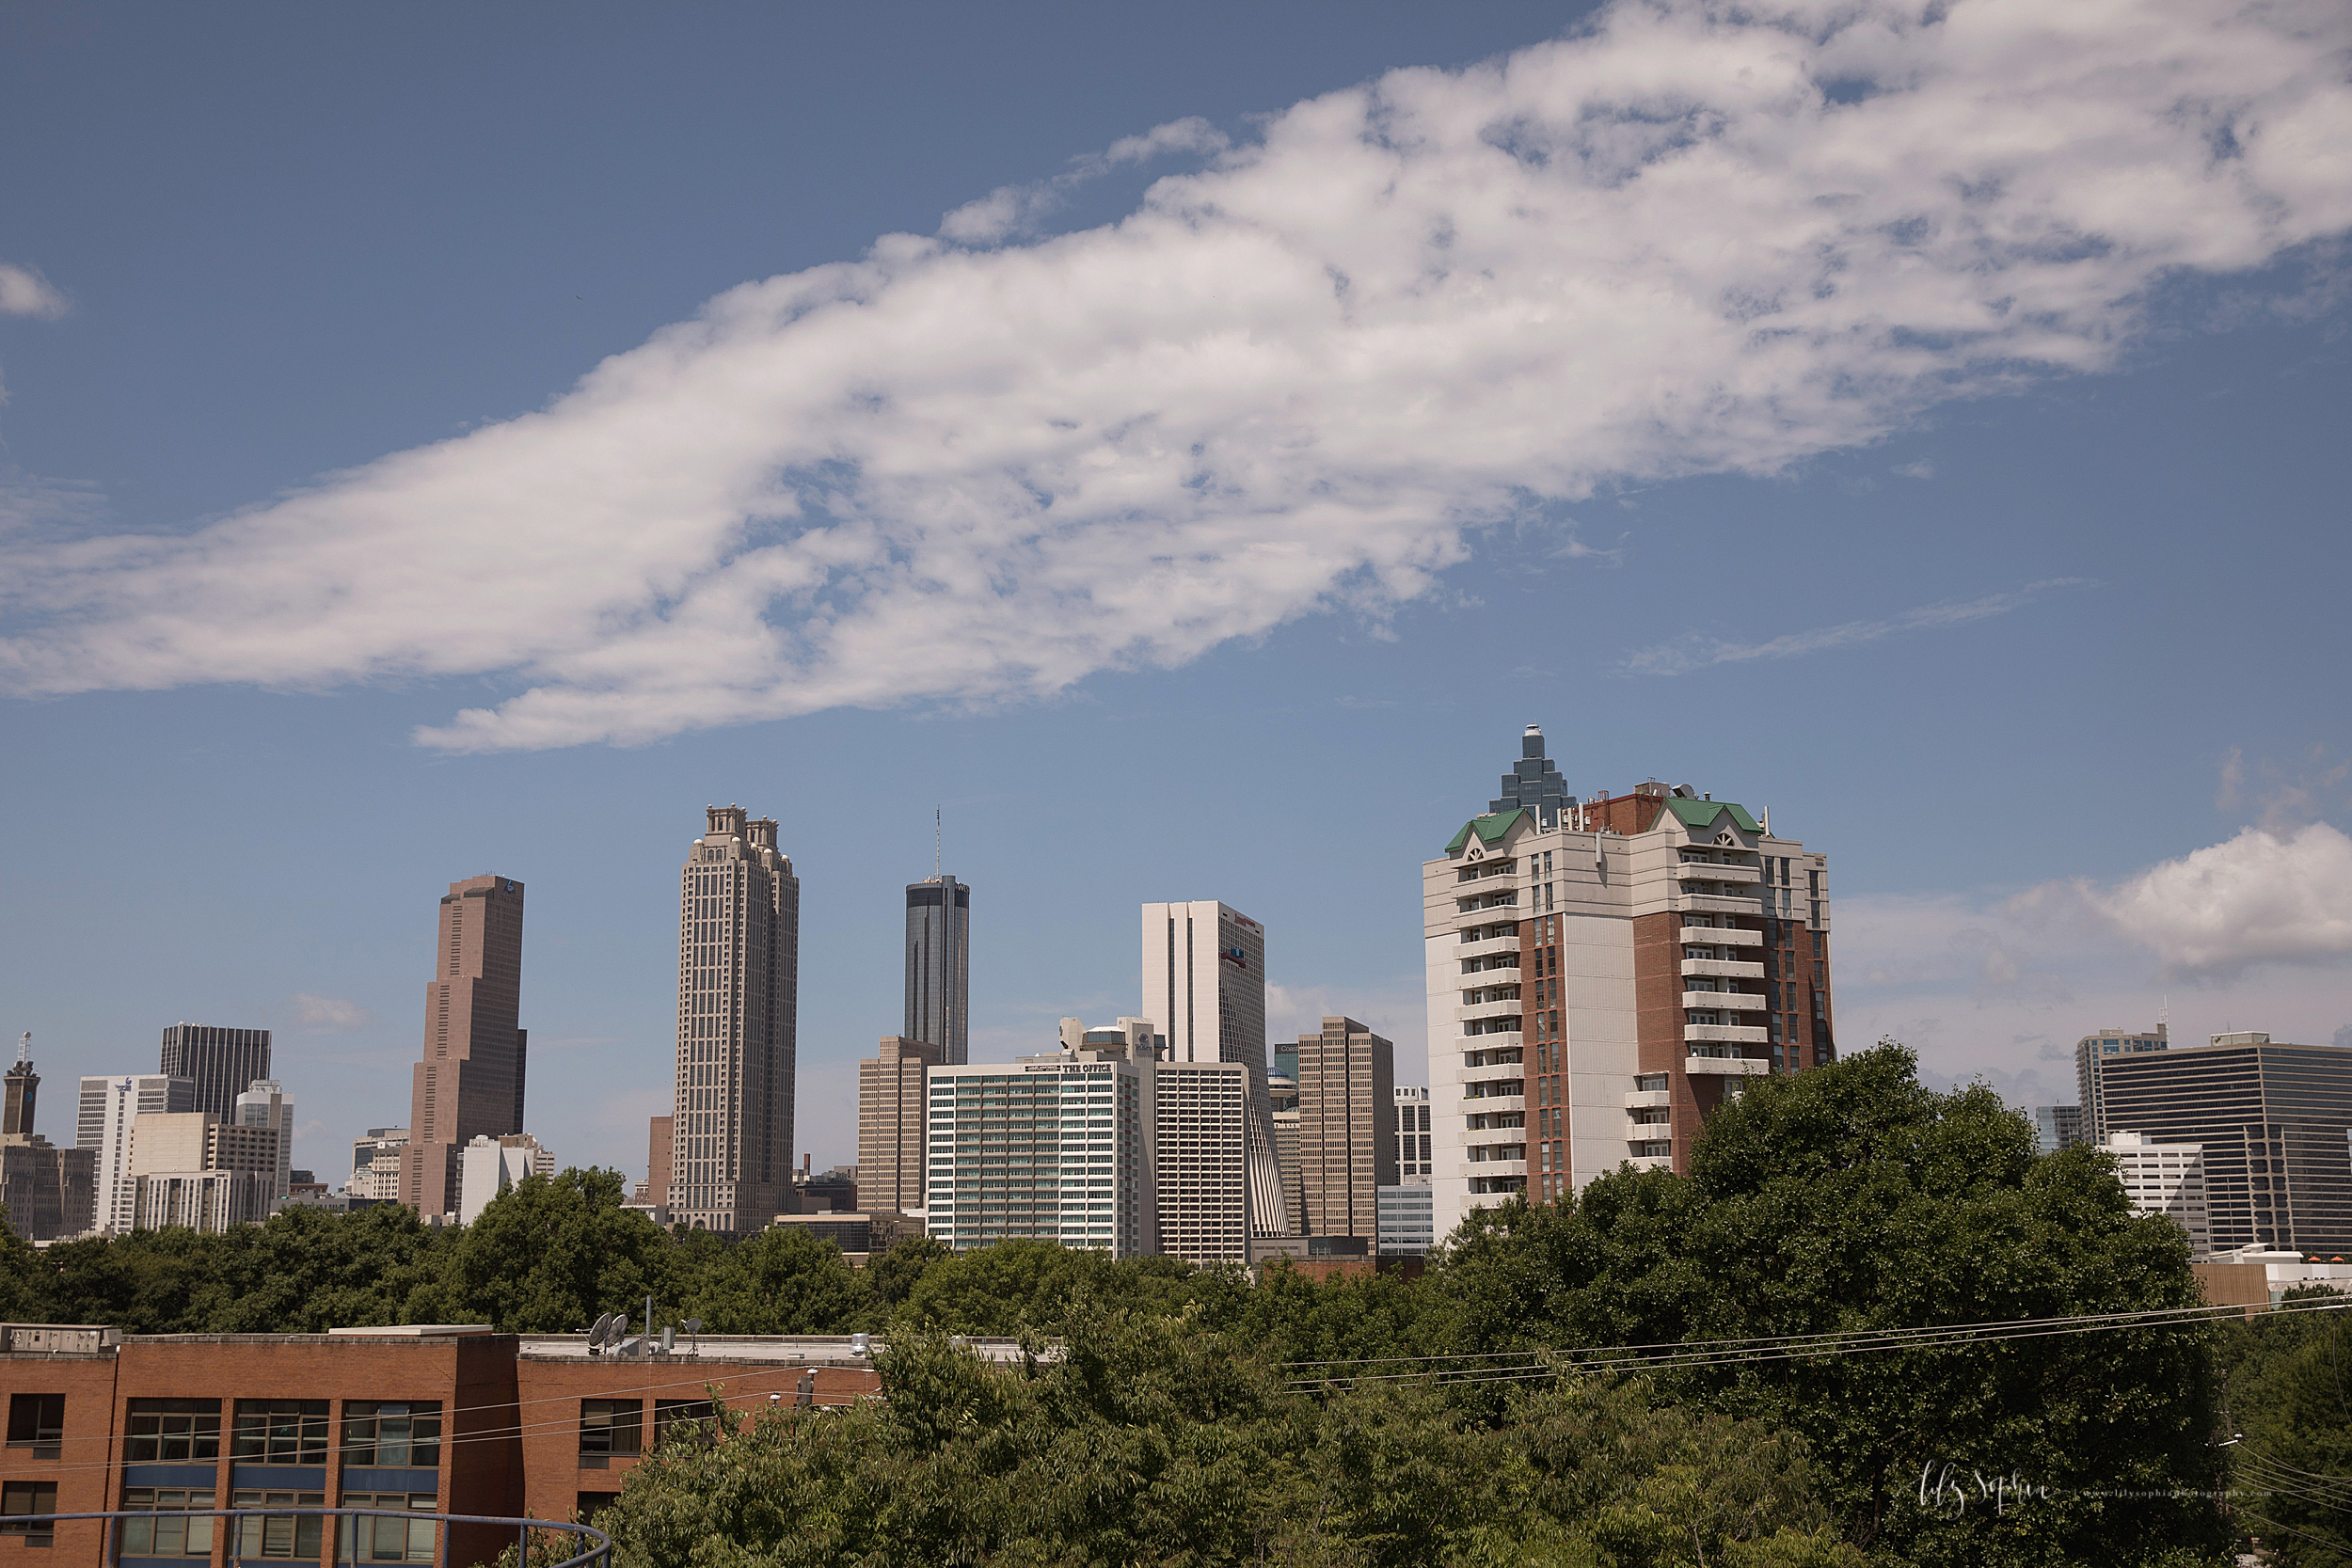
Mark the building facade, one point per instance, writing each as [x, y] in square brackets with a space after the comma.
[891, 1107]
[1200, 1173]
[221, 1062]
[375, 1165]
[208, 1200]
[1599, 988]
[1346, 1115]
[1204, 983]
[939, 967]
[2168, 1179]
[469, 1082]
[1412, 1125]
[1407, 1224]
[2102, 1046]
[737, 1015]
[110, 1108]
[2271, 1121]
[47, 1190]
[2057, 1126]
[264, 1105]
[1053, 1148]
[488, 1166]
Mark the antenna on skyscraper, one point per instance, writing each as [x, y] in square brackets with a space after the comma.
[24, 1049]
[938, 839]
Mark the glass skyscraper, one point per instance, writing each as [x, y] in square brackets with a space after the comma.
[939, 977]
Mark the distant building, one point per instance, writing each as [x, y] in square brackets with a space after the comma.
[471, 1081]
[657, 1142]
[939, 976]
[890, 1125]
[109, 1108]
[206, 1200]
[2271, 1121]
[825, 1192]
[188, 1168]
[1412, 1133]
[489, 1167]
[1052, 1148]
[1407, 1224]
[2057, 1126]
[738, 1021]
[47, 1190]
[375, 1165]
[220, 1061]
[1346, 1113]
[1200, 1173]
[1639, 953]
[2168, 1179]
[1283, 1093]
[1204, 984]
[2099, 1046]
[264, 1105]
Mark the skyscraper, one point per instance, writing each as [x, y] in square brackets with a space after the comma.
[46, 1190]
[939, 980]
[221, 1061]
[737, 1001]
[1346, 1121]
[2105, 1045]
[1600, 984]
[471, 1081]
[1204, 983]
[890, 1101]
[110, 1108]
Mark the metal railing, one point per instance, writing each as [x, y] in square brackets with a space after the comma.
[600, 1551]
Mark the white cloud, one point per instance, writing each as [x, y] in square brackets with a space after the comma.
[1297, 379]
[328, 1014]
[2262, 898]
[1696, 652]
[25, 293]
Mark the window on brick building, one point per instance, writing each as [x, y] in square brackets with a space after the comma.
[37, 1421]
[280, 1431]
[386, 1538]
[394, 1433]
[172, 1432]
[165, 1537]
[609, 1428]
[279, 1535]
[19, 1498]
[675, 1419]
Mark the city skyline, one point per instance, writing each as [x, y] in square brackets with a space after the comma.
[944, 468]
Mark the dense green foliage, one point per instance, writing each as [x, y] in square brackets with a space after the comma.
[1193, 1415]
[2287, 1404]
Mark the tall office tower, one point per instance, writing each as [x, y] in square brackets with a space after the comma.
[45, 1190]
[109, 1108]
[1412, 1133]
[1346, 1111]
[2168, 1179]
[738, 990]
[222, 1062]
[1204, 981]
[190, 1168]
[890, 1110]
[1597, 988]
[375, 1165]
[266, 1105]
[1201, 1196]
[471, 1080]
[1283, 1092]
[1533, 784]
[1053, 1148]
[2102, 1046]
[939, 969]
[2057, 1126]
[2272, 1121]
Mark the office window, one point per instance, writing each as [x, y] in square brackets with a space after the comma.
[165, 1537]
[681, 1418]
[172, 1432]
[398, 1434]
[37, 1421]
[282, 1534]
[280, 1431]
[378, 1538]
[609, 1428]
[20, 1498]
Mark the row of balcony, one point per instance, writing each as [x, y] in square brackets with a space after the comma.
[1723, 936]
[1724, 969]
[1731, 1001]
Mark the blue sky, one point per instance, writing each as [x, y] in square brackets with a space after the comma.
[1199, 452]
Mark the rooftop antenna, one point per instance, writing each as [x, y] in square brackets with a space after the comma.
[938, 838]
[24, 1049]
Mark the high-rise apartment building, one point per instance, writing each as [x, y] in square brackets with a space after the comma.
[1346, 1114]
[2168, 1179]
[1053, 1148]
[2271, 1121]
[737, 1010]
[1200, 1175]
[47, 1190]
[110, 1108]
[469, 1082]
[938, 968]
[375, 1165]
[1204, 983]
[2101, 1046]
[1412, 1132]
[1597, 988]
[221, 1061]
[891, 1106]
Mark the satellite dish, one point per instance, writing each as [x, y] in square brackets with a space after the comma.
[615, 1328]
[596, 1335]
[693, 1325]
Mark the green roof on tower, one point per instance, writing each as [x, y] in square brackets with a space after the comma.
[1701, 813]
[1490, 828]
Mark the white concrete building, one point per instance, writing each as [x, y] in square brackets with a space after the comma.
[2166, 1179]
[207, 1200]
[1407, 1226]
[108, 1108]
[375, 1164]
[488, 1166]
[1603, 974]
[1412, 1133]
[263, 1103]
[1055, 1148]
[1204, 981]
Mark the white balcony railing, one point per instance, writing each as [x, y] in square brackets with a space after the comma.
[1651, 1161]
[1641, 1132]
[1713, 903]
[1509, 1006]
[1638, 1098]
[1488, 1104]
[1491, 1167]
[1723, 936]
[1733, 1001]
[1710, 871]
[1489, 1073]
[1490, 973]
[1724, 968]
[1727, 1066]
[1723, 1034]
[1488, 947]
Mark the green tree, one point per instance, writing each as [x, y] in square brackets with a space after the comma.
[550, 1256]
[2290, 1397]
[782, 1281]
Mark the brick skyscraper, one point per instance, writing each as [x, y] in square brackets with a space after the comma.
[737, 1007]
[471, 1081]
